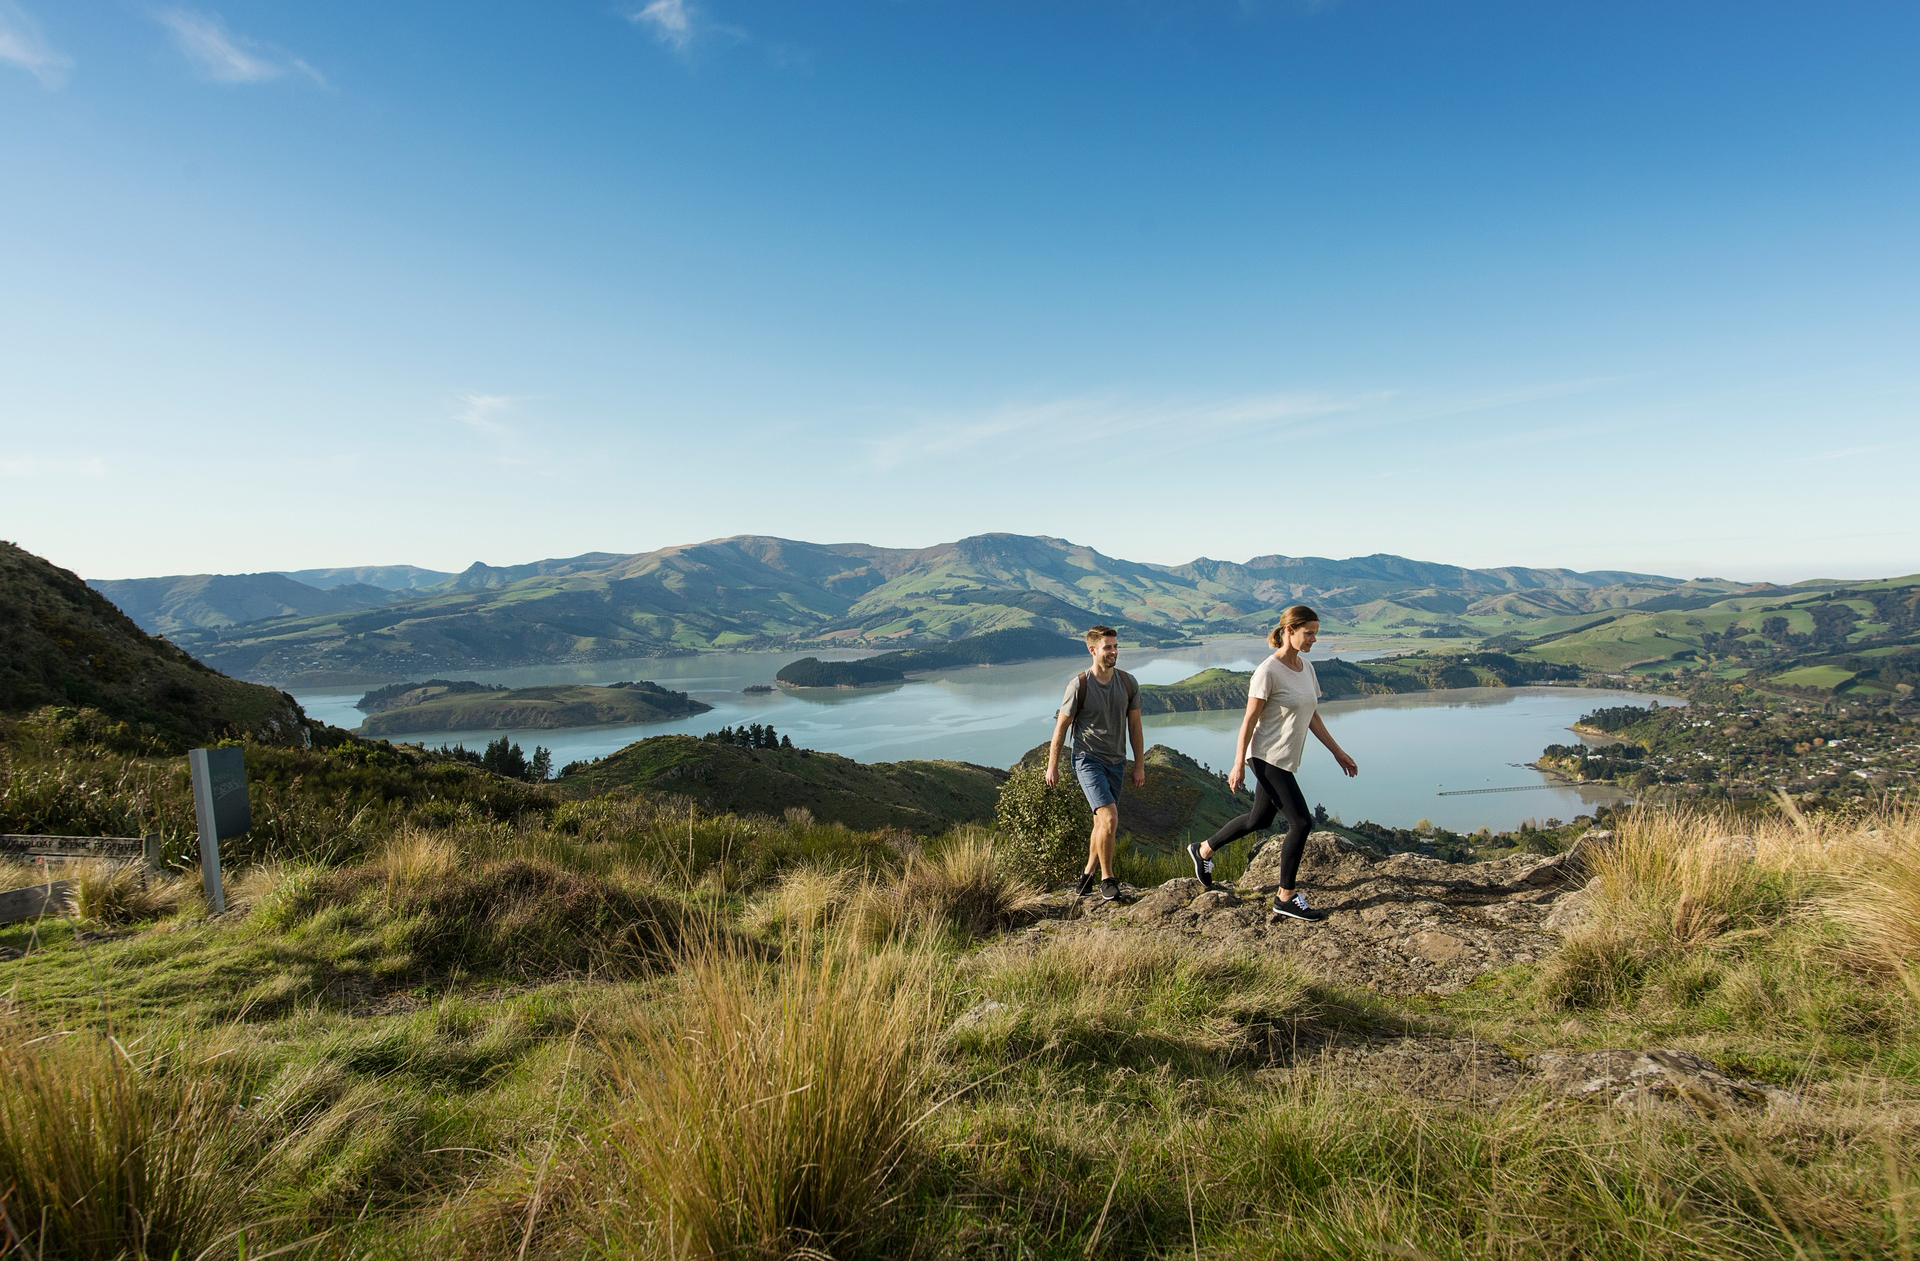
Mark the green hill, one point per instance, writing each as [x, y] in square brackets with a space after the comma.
[751, 591]
[923, 797]
[167, 606]
[1831, 637]
[62, 643]
[530, 708]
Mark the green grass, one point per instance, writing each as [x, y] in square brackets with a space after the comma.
[1821, 678]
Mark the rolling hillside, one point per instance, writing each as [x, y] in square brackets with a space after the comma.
[168, 606]
[752, 591]
[62, 643]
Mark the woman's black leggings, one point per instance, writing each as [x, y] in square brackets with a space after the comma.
[1275, 791]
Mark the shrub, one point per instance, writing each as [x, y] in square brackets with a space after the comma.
[1043, 830]
[774, 1110]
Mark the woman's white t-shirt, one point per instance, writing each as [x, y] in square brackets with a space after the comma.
[1292, 696]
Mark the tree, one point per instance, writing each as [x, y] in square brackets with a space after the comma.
[541, 768]
[504, 759]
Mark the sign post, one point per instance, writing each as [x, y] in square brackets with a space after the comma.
[220, 802]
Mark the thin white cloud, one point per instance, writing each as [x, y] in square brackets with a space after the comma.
[1102, 420]
[680, 25]
[670, 22]
[23, 45]
[220, 56]
[1171, 424]
[484, 413]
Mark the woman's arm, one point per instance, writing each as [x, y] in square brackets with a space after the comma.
[1347, 764]
[1238, 776]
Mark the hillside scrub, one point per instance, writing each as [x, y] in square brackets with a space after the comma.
[459, 1040]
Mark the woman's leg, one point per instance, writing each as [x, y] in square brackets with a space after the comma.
[1285, 789]
[1265, 806]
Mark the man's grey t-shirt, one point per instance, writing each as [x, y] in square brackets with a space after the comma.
[1100, 722]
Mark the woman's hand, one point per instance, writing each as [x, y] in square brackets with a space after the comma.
[1237, 776]
[1347, 764]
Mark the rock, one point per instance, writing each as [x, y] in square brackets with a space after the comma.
[1577, 862]
[979, 1014]
[1212, 900]
[1169, 899]
[1639, 1079]
[1569, 912]
[1439, 947]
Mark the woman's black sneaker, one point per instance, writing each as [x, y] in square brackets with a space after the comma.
[1110, 888]
[1296, 907]
[1085, 886]
[1202, 867]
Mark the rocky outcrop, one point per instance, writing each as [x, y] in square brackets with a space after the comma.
[1405, 924]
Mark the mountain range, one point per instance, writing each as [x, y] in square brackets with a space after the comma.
[754, 591]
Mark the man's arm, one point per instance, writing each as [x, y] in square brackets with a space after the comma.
[1061, 726]
[1138, 735]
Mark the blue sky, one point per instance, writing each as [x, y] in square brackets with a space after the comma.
[1602, 285]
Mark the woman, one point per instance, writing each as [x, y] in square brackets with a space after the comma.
[1282, 699]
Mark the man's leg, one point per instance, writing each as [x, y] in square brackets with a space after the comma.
[1106, 827]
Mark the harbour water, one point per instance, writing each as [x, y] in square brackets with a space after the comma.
[1428, 755]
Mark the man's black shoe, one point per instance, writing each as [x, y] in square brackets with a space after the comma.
[1110, 888]
[1202, 867]
[1085, 886]
[1296, 907]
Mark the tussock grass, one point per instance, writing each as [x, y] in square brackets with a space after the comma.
[965, 887]
[775, 1108]
[113, 893]
[103, 1155]
[808, 899]
[1880, 900]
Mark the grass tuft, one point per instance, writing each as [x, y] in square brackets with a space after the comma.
[775, 1108]
[101, 1156]
[965, 887]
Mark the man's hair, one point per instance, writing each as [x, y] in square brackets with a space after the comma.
[1097, 633]
[1298, 615]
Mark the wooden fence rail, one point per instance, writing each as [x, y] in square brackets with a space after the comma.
[55, 897]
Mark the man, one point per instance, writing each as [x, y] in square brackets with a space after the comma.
[1102, 708]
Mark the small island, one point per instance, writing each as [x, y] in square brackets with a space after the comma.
[813, 672]
[407, 708]
[1001, 647]
[1410, 672]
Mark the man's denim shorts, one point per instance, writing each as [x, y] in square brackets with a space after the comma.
[1100, 781]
